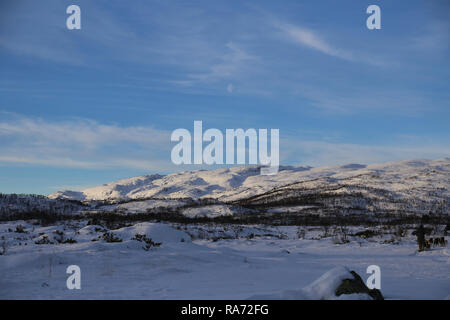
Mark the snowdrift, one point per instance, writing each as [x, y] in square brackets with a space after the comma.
[327, 287]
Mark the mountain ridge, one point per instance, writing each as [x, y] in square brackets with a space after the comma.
[417, 178]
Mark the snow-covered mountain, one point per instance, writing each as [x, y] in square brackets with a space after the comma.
[245, 181]
[417, 186]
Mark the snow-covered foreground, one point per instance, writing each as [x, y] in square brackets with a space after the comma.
[257, 262]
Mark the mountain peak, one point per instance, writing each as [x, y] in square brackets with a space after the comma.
[240, 181]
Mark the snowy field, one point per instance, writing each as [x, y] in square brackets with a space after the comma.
[208, 262]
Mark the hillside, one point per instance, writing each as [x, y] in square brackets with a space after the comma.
[403, 187]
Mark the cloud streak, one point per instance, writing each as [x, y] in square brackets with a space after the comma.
[313, 40]
[232, 63]
[320, 153]
[81, 143]
[87, 144]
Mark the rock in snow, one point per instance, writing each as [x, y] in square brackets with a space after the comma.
[338, 283]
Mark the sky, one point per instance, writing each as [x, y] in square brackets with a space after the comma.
[79, 108]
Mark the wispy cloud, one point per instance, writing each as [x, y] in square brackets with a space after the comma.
[320, 152]
[83, 143]
[78, 132]
[434, 38]
[343, 100]
[312, 40]
[232, 64]
[315, 41]
[87, 144]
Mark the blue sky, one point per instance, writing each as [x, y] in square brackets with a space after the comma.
[84, 107]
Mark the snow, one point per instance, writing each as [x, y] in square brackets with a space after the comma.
[273, 264]
[229, 261]
[157, 231]
[326, 285]
[323, 288]
[407, 187]
[142, 206]
[211, 211]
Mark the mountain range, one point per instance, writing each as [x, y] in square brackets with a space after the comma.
[402, 187]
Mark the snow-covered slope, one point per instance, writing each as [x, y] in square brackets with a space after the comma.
[219, 262]
[416, 178]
